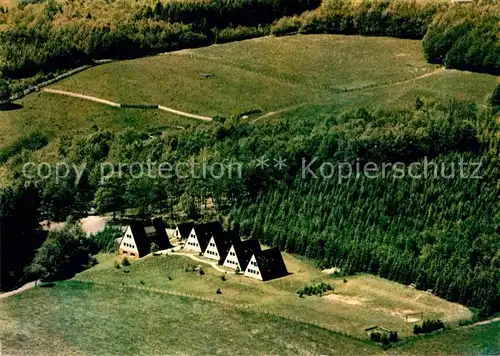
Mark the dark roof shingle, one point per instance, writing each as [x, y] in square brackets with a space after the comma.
[271, 264]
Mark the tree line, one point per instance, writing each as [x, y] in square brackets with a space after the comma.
[457, 35]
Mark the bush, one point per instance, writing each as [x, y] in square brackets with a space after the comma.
[154, 247]
[239, 33]
[104, 241]
[315, 289]
[286, 26]
[125, 262]
[494, 98]
[428, 326]
[64, 253]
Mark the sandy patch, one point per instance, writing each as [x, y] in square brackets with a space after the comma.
[90, 224]
[346, 300]
[331, 270]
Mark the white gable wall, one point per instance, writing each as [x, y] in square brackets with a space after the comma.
[192, 243]
[128, 242]
[231, 260]
[253, 269]
[211, 251]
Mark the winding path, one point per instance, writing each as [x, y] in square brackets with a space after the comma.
[214, 264]
[118, 105]
[406, 81]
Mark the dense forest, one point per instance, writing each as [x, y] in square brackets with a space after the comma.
[441, 232]
[38, 40]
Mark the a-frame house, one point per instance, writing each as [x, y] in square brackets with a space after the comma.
[135, 242]
[219, 245]
[266, 265]
[240, 253]
[160, 238]
[183, 230]
[200, 236]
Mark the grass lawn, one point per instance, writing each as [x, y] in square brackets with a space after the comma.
[79, 318]
[272, 73]
[361, 302]
[74, 317]
[54, 114]
[479, 340]
[323, 73]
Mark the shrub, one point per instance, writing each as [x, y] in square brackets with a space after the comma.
[315, 289]
[154, 247]
[104, 241]
[239, 33]
[218, 291]
[125, 262]
[494, 98]
[286, 25]
[31, 142]
[202, 272]
[64, 253]
[428, 326]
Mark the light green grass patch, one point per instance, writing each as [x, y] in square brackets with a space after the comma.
[74, 318]
[362, 302]
[55, 114]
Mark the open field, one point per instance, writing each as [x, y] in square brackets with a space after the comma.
[87, 318]
[79, 318]
[479, 340]
[361, 302]
[55, 114]
[272, 73]
[296, 76]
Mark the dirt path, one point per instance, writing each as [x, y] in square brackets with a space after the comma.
[193, 257]
[81, 96]
[19, 290]
[406, 81]
[484, 322]
[118, 105]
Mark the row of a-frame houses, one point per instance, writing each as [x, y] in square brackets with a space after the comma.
[210, 240]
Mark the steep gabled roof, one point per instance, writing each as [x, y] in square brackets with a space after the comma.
[161, 238]
[204, 232]
[142, 241]
[245, 250]
[271, 264]
[224, 241]
[185, 229]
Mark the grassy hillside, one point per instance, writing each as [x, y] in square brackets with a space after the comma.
[54, 115]
[361, 302]
[278, 72]
[77, 318]
[303, 75]
[80, 318]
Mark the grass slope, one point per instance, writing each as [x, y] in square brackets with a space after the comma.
[54, 114]
[74, 318]
[479, 340]
[323, 73]
[272, 73]
[361, 302]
